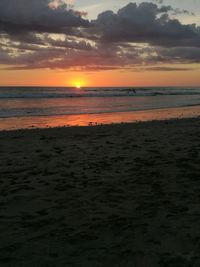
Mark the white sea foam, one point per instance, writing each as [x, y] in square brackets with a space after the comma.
[50, 101]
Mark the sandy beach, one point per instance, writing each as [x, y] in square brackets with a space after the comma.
[114, 195]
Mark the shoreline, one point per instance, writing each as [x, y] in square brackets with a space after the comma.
[41, 122]
[121, 195]
[101, 126]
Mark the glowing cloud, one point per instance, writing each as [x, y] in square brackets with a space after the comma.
[54, 4]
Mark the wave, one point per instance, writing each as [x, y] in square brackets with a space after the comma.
[55, 111]
[43, 92]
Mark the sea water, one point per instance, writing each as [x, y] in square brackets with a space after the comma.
[18, 104]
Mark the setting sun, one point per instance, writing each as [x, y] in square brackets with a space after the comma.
[78, 82]
[78, 86]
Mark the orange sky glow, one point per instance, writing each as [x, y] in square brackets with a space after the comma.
[100, 78]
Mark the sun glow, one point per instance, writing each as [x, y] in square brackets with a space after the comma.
[78, 83]
[78, 86]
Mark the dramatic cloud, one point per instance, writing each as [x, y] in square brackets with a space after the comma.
[38, 16]
[146, 23]
[50, 34]
[183, 54]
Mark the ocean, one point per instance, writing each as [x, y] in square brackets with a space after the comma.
[26, 107]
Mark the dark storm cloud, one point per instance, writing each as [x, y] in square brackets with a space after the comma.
[136, 36]
[146, 23]
[4, 57]
[22, 16]
[181, 54]
[158, 68]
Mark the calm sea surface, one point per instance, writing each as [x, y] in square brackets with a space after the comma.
[25, 107]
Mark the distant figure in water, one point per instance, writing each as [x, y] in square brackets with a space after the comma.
[132, 91]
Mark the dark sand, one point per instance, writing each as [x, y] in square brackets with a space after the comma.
[118, 195]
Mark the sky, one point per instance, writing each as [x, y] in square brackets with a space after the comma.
[99, 43]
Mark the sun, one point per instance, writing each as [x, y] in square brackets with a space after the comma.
[78, 86]
[78, 82]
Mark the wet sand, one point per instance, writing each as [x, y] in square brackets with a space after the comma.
[30, 122]
[115, 195]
